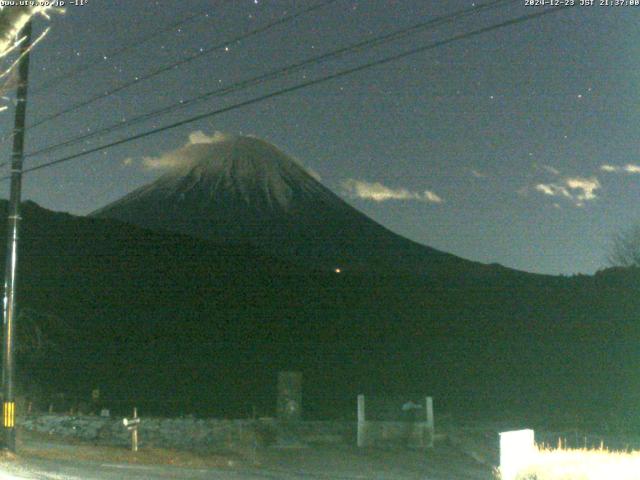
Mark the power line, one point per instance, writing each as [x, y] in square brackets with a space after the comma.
[183, 61]
[131, 45]
[300, 86]
[119, 51]
[366, 44]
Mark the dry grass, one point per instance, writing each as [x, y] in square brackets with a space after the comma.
[582, 464]
[146, 456]
[43, 446]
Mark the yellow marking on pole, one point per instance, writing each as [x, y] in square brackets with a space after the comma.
[9, 411]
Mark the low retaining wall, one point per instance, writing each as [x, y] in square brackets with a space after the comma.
[409, 434]
[192, 433]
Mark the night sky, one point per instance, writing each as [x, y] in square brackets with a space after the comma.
[519, 146]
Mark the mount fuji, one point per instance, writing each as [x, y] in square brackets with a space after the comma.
[240, 189]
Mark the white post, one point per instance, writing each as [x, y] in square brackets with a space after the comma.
[134, 432]
[361, 422]
[517, 451]
[430, 420]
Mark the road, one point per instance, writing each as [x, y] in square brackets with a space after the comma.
[43, 458]
[67, 470]
[58, 470]
[41, 469]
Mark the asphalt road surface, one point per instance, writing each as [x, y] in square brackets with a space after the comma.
[41, 469]
[66, 470]
[42, 458]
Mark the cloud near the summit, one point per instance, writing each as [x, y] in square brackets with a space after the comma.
[190, 154]
[380, 193]
[313, 173]
[200, 137]
[164, 162]
[183, 155]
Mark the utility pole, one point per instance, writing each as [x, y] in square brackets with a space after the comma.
[11, 267]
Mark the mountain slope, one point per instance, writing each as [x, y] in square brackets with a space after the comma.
[244, 190]
[174, 324]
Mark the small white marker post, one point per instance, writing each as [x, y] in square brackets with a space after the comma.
[361, 422]
[132, 425]
[517, 451]
[430, 420]
[134, 432]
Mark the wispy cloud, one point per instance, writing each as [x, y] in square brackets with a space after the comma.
[628, 168]
[550, 169]
[542, 167]
[380, 193]
[164, 162]
[432, 197]
[583, 188]
[199, 137]
[313, 173]
[576, 189]
[553, 190]
[184, 155]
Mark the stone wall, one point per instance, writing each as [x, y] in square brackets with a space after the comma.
[190, 433]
